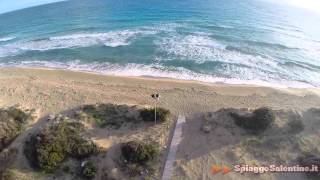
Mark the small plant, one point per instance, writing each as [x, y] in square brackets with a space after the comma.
[12, 122]
[163, 115]
[7, 157]
[256, 122]
[80, 147]
[134, 170]
[295, 126]
[139, 158]
[88, 170]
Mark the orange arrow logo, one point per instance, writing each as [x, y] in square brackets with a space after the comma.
[215, 169]
[225, 170]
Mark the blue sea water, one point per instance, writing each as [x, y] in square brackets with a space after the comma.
[230, 41]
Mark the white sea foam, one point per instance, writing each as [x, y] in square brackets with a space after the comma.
[110, 39]
[3, 39]
[154, 70]
[225, 26]
[201, 48]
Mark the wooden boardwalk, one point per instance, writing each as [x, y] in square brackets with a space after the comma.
[175, 141]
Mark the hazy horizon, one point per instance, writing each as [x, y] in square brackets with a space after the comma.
[7, 6]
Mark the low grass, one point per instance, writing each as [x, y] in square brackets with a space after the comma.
[115, 116]
[108, 115]
[148, 115]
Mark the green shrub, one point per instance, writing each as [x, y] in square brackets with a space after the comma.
[48, 149]
[139, 153]
[18, 114]
[82, 148]
[89, 170]
[296, 126]
[139, 158]
[257, 122]
[163, 115]
[12, 122]
[50, 155]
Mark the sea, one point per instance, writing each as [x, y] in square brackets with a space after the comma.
[253, 42]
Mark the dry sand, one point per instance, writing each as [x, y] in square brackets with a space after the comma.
[56, 91]
[53, 91]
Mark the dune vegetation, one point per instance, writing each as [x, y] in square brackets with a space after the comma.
[256, 122]
[139, 158]
[114, 116]
[48, 149]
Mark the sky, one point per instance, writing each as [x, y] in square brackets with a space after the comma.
[311, 5]
[11, 5]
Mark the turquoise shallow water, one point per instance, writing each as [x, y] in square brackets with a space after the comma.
[230, 41]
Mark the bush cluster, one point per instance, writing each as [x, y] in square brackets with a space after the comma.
[295, 126]
[49, 148]
[163, 115]
[139, 157]
[138, 152]
[88, 170]
[256, 122]
[12, 122]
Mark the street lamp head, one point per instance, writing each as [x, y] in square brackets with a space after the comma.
[155, 96]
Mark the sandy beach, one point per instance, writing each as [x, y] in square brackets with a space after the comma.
[52, 91]
[56, 91]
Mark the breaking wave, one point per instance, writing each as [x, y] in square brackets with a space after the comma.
[4, 39]
[153, 70]
[201, 48]
[109, 39]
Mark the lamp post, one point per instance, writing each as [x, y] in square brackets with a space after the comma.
[156, 97]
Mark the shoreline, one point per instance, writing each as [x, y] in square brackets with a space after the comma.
[48, 89]
[218, 83]
[256, 88]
